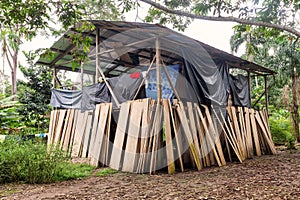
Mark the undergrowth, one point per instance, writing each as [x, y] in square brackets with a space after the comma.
[32, 162]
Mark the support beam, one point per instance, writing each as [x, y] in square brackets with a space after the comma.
[249, 85]
[97, 55]
[158, 74]
[266, 94]
[81, 75]
[54, 77]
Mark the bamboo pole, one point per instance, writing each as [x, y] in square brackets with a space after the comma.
[97, 55]
[266, 95]
[158, 75]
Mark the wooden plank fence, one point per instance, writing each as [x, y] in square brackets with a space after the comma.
[148, 136]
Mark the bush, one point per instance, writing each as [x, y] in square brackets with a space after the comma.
[281, 130]
[31, 162]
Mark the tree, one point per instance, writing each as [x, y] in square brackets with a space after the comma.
[21, 20]
[280, 15]
[279, 52]
[34, 94]
[273, 17]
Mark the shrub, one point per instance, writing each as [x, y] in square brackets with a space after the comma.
[32, 162]
[281, 130]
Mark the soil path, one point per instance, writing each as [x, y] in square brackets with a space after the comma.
[267, 177]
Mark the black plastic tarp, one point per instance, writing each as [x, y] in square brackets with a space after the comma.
[240, 90]
[206, 79]
[124, 87]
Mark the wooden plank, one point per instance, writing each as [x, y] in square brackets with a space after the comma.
[254, 132]
[134, 126]
[51, 127]
[79, 127]
[228, 134]
[145, 128]
[215, 136]
[98, 143]
[107, 135]
[265, 134]
[67, 120]
[72, 134]
[59, 127]
[191, 113]
[66, 142]
[202, 140]
[87, 135]
[94, 130]
[169, 145]
[210, 142]
[187, 131]
[120, 136]
[156, 131]
[241, 120]
[177, 138]
[248, 131]
[237, 131]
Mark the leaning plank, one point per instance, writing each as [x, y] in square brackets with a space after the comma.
[255, 132]
[169, 146]
[193, 129]
[94, 130]
[51, 126]
[237, 131]
[210, 142]
[228, 134]
[66, 142]
[187, 131]
[243, 132]
[87, 134]
[265, 134]
[248, 131]
[79, 127]
[177, 138]
[65, 126]
[120, 136]
[201, 135]
[145, 128]
[59, 127]
[107, 135]
[98, 143]
[72, 132]
[133, 134]
[156, 131]
[215, 136]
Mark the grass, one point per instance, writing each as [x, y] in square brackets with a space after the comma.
[106, 172]
[33, 162]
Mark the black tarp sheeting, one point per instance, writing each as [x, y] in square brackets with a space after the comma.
[240, 90]
[208, 79]
[124, 88]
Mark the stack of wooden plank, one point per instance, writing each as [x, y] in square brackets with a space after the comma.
[147, 135]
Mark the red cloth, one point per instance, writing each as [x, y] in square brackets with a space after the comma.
[135, 75]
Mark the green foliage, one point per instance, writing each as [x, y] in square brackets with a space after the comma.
[106, 172]
[34, 96]
[31, 162]
[281, 128]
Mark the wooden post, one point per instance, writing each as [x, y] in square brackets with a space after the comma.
[266, 95]
[249, 86]
[158, 75]
[81, 75]
[97, 55]
[54, 77]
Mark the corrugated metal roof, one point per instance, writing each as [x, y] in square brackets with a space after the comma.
[125, 46]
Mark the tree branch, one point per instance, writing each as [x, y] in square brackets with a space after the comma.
[224, 19]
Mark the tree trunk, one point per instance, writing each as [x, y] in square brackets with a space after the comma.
[295, 105]
[14, 74]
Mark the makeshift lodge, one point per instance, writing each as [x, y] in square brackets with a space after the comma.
[160, 100]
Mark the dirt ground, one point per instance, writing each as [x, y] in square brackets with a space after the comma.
[266, 177]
